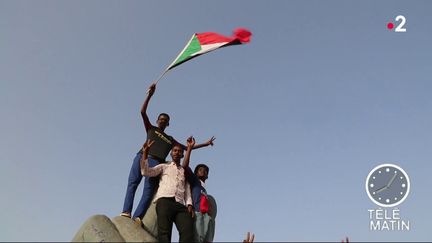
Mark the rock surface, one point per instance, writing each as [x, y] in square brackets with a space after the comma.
[150, 220]
[100, 228]
[212, 206]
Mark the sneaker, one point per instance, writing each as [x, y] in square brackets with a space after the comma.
[138, 221]
[127, 215]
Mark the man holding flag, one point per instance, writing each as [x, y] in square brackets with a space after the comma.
[200, 43]
[163, 144]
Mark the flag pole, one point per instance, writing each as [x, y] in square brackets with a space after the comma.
[172, 64]
[160, 77]
[174, 61]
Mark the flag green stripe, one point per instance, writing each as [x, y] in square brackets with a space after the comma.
[193, 47]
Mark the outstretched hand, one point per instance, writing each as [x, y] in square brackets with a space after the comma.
[249, 238]
[210, 141]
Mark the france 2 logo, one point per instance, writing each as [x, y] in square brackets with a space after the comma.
[400, 26]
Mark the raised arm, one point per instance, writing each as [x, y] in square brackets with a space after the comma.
[197, 146]
[249, 238]
[190, 145]
[145, 169]
[208, 143]
[150, 92]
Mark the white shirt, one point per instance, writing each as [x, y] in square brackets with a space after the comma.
[172, 182]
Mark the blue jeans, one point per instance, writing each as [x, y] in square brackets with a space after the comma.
[150, 184]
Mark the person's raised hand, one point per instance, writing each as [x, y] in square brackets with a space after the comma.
[210, 141]
[249, 238]
[190, 142]
[151, 89]
[147, 145]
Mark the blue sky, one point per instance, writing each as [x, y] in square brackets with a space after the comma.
[322, 94]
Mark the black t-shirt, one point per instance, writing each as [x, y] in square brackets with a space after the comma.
[162, 145]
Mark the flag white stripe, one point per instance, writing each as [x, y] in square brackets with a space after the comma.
[209, 47]
[187, 45]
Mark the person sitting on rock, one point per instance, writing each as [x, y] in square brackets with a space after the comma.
[173, 197]
[204, 224]
[163, 144]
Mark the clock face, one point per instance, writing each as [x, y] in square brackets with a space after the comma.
[387, 185]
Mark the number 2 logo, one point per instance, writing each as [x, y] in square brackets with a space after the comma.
[400, 27]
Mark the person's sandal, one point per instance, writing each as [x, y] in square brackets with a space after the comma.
[138, 221]
[127, 215]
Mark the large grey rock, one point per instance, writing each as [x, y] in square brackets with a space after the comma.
[98, 228]
[150, 220]
[131, 231]
[212, 206]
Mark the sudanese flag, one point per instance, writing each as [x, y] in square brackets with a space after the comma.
[202, 43]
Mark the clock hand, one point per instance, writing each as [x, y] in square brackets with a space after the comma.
[381, 189]
[391, 180]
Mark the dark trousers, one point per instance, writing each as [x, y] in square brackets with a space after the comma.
[168, 212]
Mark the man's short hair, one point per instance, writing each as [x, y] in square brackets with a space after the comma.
[179, 146]
[199, 166]
[164, 114]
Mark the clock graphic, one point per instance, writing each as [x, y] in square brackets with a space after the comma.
[387, 185]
